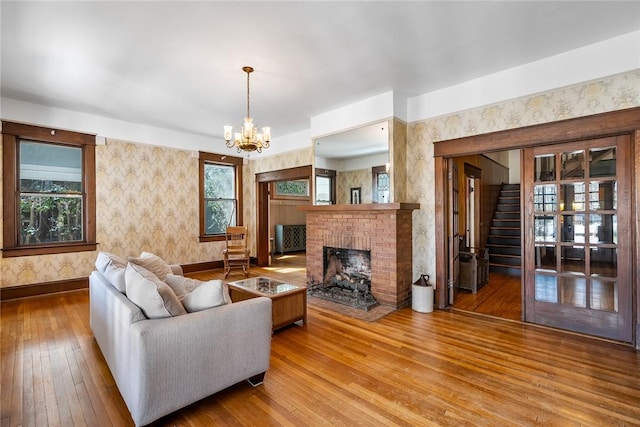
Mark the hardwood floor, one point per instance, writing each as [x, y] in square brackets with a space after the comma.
[500, 297]
[409, 368]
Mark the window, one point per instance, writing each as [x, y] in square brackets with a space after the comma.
[381, 184]
[49, 190]
[323, 190]
[325, 187]
[293, 190]
[220, 194]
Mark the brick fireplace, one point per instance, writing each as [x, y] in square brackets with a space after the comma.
[387, 229]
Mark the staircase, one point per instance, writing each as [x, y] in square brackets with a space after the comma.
[504, 241]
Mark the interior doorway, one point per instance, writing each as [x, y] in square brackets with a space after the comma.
[484, 220]
[577, 271]
[264, 183]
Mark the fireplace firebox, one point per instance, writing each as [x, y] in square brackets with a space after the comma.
[346, 278]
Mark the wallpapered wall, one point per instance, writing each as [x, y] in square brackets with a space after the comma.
[347, 180]
[147, 197]
[610, 94]
[146, 200]
[398, 152]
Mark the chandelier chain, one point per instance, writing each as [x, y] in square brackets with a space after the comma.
[248, 110]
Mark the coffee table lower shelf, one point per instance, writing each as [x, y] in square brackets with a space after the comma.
[287, 307]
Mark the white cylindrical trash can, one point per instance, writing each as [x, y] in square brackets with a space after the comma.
[422, 295]
[422, 299]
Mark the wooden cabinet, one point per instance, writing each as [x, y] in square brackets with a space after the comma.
[289, 302]
[291, 238]
[474, 269]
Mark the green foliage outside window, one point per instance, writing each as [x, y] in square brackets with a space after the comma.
[51, 200]
[50, 219]
[299, 188]
[220, 202]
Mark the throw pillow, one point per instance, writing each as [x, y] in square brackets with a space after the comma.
[154, 297]
[112, 267]
[197, 295]
[152, 263]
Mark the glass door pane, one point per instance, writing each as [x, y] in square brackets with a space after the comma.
[602, 162]
[603, 195]
[573, 258]
[572, 164]
[545, 168]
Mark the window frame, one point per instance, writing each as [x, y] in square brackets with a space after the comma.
[375, 172]
[277, 196]
[12, 133]
[326, 173]
[224, 160]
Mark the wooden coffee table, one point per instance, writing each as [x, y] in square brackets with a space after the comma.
[289, 302]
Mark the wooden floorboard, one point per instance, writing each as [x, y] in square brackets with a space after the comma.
[448, 368]
[500, 297]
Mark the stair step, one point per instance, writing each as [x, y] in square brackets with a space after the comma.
[511, 187]
[507, 215]
[504, 250]
[505, 231]
[507, 208]
[508, 241]
[509, 200]
[506, 222]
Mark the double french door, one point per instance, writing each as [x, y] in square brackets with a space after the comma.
[577, 236]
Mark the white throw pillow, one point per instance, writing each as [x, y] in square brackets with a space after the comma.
[153, 263]
[112, 267]
[154, 297]
[197, 295]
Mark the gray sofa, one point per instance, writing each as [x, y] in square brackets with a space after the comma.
[162, 365]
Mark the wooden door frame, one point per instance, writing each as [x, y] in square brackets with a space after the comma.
[262, 204]
[453, 230]
[613, 123]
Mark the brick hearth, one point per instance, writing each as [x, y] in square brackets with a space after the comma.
[388, 228]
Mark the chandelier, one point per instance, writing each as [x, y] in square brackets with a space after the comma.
[248, 139]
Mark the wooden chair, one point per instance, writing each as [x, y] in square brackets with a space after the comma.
[236, 254]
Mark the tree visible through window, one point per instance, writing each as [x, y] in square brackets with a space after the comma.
[51, 196]
[49, 190]
[220, 198]
[220, 190]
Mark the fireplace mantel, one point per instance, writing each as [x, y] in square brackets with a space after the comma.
[387, 229]
[361, 207]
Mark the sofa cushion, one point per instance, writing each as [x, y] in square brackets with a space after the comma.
[152, 263]
[112, 267]
[154, 297]
[197, 295]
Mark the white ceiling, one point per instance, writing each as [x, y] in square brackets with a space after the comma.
[177, 65]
